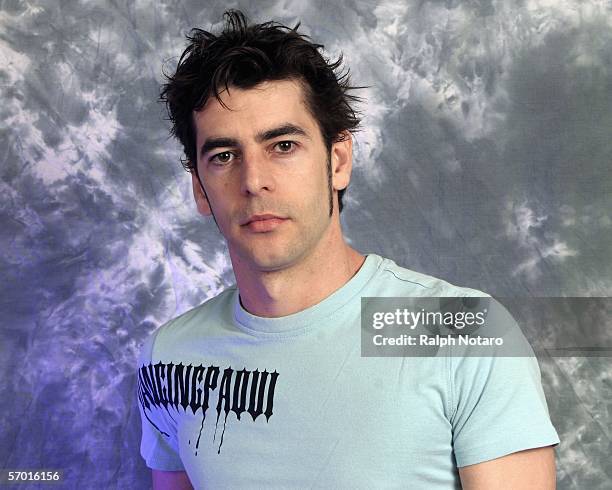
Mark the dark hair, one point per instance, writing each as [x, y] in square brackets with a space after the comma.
[244, 56]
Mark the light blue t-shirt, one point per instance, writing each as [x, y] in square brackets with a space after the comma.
[240, 401]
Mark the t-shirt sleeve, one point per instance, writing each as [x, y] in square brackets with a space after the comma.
[158, 445]
[499, 404]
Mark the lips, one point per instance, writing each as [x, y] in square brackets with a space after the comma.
[261, 217]
[263, 223]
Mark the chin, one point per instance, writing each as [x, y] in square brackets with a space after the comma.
[271, 262]
[270, 258]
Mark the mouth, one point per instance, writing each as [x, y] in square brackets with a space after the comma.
[261, 217]
[261, 223]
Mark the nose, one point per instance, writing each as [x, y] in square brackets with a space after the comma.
[255, 174]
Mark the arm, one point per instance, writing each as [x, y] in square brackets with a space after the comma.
[171, 480]
[532, 469]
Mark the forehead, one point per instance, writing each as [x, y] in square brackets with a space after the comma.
[261, 106]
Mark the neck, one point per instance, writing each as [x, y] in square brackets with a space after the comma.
[301, 285]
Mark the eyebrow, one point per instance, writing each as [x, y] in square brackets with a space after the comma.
[284, 129]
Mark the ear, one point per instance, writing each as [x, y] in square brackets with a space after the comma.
[342, 161]
[200, 197]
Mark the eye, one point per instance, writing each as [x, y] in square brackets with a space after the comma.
[285, 146]
[222, 158]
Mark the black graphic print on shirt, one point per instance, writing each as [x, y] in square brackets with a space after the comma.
[188, 387]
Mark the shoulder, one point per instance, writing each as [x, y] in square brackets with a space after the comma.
[196, 321]
[211, 308]
[403, 281]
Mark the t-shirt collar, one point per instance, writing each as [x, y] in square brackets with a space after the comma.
[302, 320]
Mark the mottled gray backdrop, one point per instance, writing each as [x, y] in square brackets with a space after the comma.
[485, 160]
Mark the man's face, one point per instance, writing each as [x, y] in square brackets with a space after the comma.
[264, 156]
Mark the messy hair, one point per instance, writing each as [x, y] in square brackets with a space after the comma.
[245, 55]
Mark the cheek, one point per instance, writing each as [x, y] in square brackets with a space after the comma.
[220, 191]
[307, 185]
[221, 204]
[313, 189]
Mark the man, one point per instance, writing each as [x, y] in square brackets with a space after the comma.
[263, 386]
